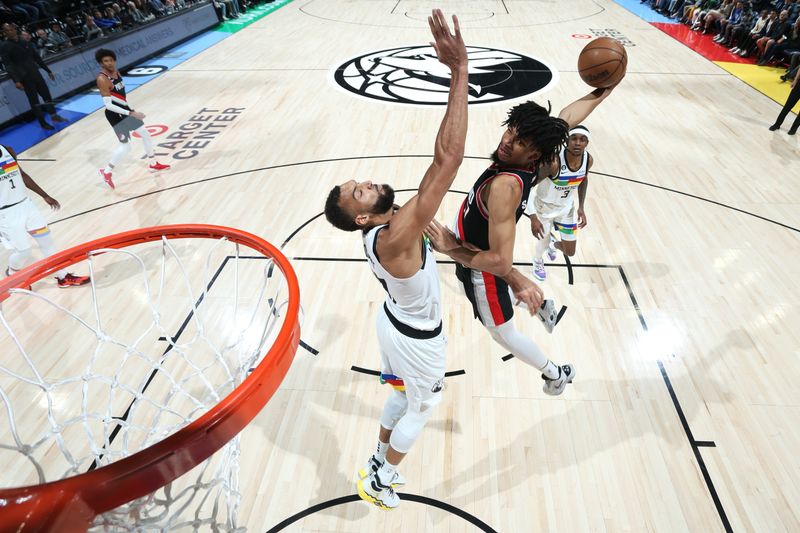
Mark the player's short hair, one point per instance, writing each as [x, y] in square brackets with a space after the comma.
[336, 215]
[104, 52]
[535, 126]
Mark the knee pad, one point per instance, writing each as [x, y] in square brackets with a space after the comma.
[409, 427]
[394, 409]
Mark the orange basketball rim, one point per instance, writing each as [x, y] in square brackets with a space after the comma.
[71, 504]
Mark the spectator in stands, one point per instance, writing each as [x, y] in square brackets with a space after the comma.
[90, 29]
[22, 64]
[124, 15]
[58, 39]
[104, 22]
[718, 11]
[786, 44]
[748, 43]
[136, 13]
[741, 14]
[775, 32]
[42, 45]
[73, 30]
[714, 19]
[28, 12]
[221, 8]
[157, 8]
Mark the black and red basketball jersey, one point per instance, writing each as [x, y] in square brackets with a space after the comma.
[118, 95]
[472, 223]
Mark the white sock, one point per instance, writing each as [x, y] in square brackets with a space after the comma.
[386, 473]
[380, 454]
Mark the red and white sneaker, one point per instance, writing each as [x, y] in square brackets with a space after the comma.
[106, 177]
[155, 167]
[73, 281]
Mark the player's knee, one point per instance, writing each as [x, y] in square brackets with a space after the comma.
[19, 258]
[394, 409]
[570, 248]
[501, 332]
[410, 426]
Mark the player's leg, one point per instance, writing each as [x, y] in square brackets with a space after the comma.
[543, 245]
[566, 225]
[420, 362]
[491, 302]
[38, 229]
[124, 136]
[147, 140]
[15, 237]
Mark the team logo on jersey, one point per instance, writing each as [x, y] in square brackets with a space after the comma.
[413, 75]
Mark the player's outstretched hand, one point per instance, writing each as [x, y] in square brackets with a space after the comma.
[52, 202]
[449, 48]
[137, 114]
[442, 239]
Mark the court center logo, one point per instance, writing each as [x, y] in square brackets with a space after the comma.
[413, 75]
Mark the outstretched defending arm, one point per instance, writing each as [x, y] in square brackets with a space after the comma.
[409, 222]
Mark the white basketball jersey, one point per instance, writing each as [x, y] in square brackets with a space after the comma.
[12, 188]
[556, 192]
[414, 301]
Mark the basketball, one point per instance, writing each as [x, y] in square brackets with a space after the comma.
[603, 62]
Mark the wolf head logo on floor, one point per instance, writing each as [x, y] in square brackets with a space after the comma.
[413, 75]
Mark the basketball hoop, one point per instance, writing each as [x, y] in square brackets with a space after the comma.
[209, 389]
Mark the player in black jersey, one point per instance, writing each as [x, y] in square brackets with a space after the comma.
[122, 118]
[483, 245]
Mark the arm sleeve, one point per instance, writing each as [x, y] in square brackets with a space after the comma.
[111, 106]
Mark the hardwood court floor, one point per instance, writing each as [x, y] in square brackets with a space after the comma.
[681, 316]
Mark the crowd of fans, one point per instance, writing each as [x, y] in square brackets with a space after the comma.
[766, 30]
[52, 26]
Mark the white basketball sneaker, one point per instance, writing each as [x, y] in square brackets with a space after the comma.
[373, 465]
[554, 387]
[548, 315]
[372, 490]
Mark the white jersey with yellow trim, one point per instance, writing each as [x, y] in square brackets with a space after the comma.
[12, 188]
[556, 193]
[415, 301]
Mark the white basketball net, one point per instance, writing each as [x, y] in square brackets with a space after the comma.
[96, 373]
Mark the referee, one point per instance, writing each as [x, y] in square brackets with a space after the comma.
[22, 64]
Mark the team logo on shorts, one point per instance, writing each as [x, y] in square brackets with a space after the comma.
[437, 386]
[413, 75]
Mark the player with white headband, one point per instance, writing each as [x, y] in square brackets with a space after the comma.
[551, 204]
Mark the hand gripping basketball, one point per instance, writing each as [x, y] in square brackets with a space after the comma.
[450, 49]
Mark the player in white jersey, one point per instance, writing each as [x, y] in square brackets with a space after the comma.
[409, 323]
[552, 203]
[19, 217]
